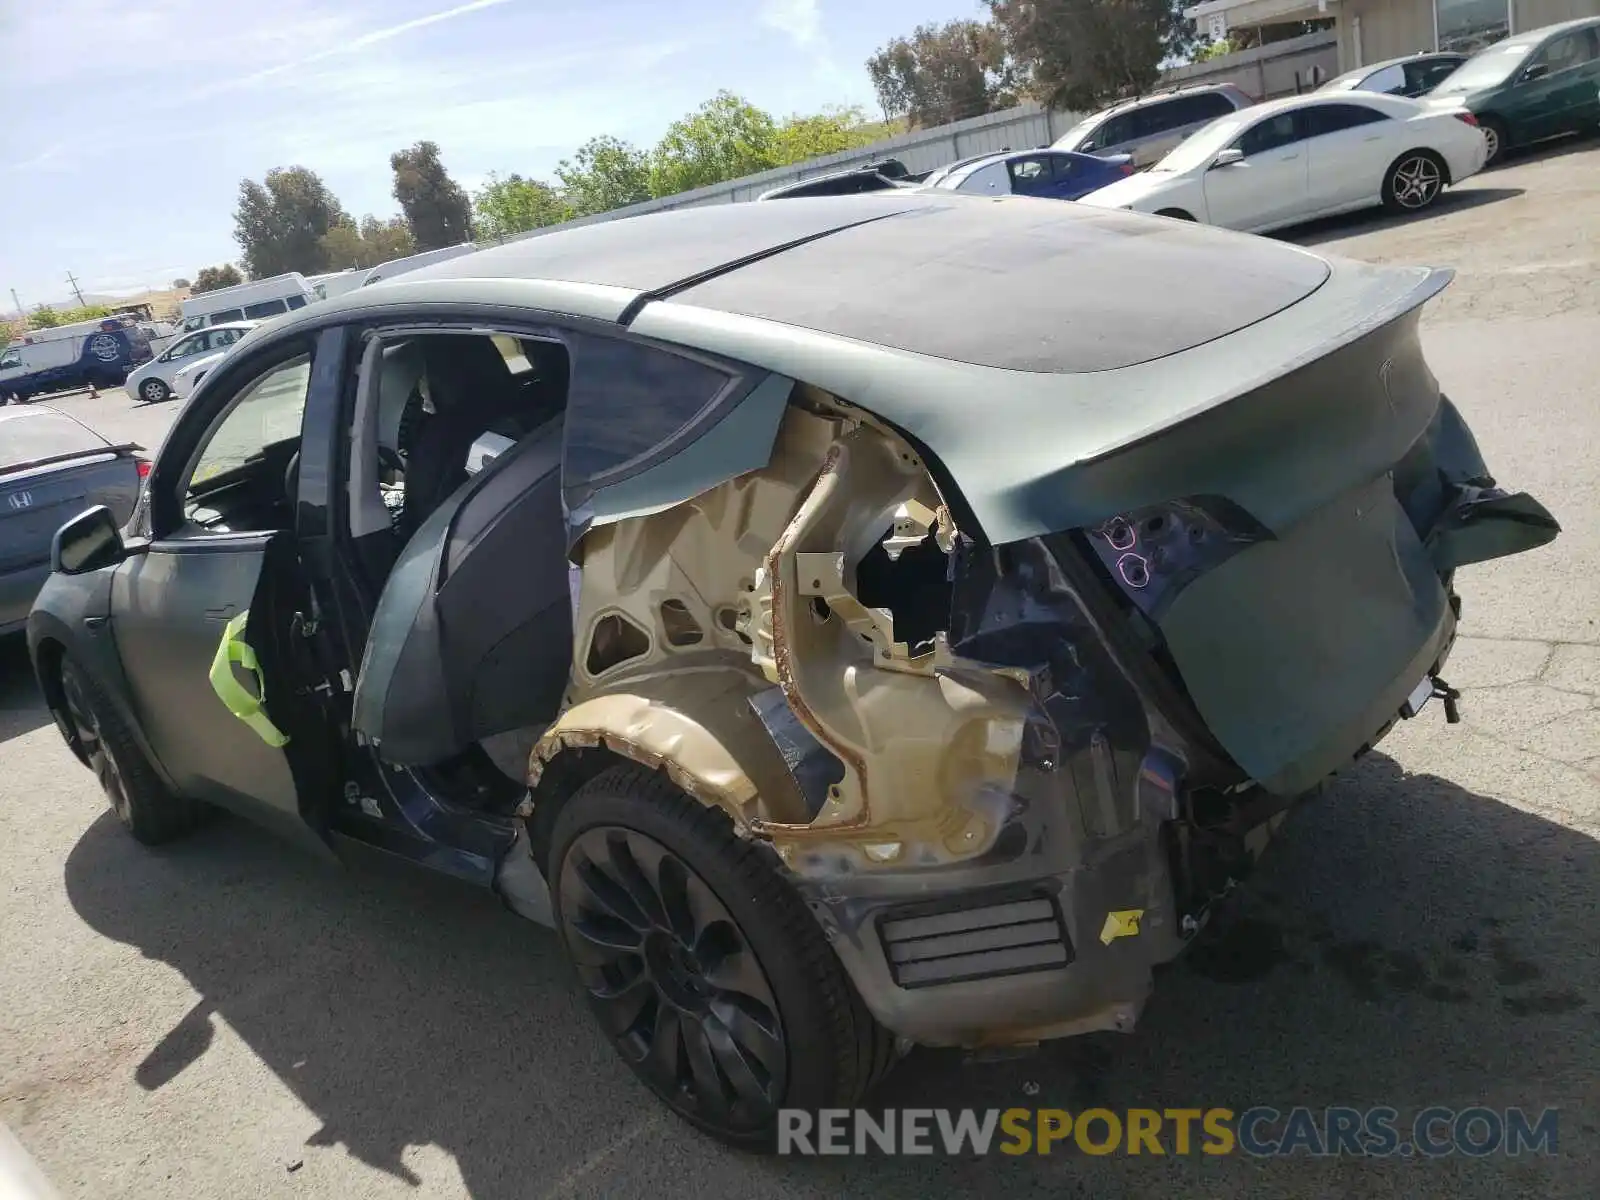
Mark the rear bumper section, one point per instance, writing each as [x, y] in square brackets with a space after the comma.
[1011, 963]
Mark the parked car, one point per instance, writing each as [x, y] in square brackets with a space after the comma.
[189, 377]
[1293, 160]
[1533, 86]
[52, 467]
[255, 300]
[1147, 128]
[869, 177]
[855, 721]
[153, 382]
[1054, 174]
[1412, 75]
[97, 352]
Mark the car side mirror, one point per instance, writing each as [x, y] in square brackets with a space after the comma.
[86, 543]
[1536, 71]
[1226, 158]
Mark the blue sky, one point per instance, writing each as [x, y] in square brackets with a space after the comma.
[129, 123]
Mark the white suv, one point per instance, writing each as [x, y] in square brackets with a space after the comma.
[1147, 128]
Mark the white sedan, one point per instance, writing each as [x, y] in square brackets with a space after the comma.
[186, 380]
[156, 380]
[1294, 160]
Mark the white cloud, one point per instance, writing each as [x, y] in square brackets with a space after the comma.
[799, 19]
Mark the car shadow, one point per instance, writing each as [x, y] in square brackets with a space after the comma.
[22, 707]
[1409, 943]
[1557, 147]
[1374, 220]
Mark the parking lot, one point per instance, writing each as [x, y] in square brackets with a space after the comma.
[227, 1017]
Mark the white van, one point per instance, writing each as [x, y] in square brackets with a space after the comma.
[337, 283]
[399, 266]
[253, 301]
[101, 352]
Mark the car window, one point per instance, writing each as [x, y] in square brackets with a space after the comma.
[1062, 165]
[222, 318]
[626, 399]
[1189, 110]
[1391, 79]
[12, 359]
[267, 308]
[1331, 118]
[1271, 134]
[267, 412]
[1569, 50]
[1422, 76]
[297, 301]
[1029, 174]
[217, 339]
[1117, 130]
[991, 180]
[184, 347]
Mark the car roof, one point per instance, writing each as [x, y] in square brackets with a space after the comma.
[1155, 97]
[1533, 37]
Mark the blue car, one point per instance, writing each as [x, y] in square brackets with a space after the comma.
[1055, 174]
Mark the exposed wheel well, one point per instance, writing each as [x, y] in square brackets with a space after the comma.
[562, 777]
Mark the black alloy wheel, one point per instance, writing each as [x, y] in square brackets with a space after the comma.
[673, 979]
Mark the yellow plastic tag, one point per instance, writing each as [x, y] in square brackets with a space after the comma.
[233, 694]
[1124, 923]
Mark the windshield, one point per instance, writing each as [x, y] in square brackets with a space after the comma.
[1202, 145]
[1070, 139]
[1485, 69]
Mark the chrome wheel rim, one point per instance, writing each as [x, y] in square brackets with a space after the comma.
[152, 389]
[1417, 182]
[672, 978]
[1493, 139]
[101, 760]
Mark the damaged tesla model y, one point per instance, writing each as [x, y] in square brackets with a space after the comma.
[913, 610]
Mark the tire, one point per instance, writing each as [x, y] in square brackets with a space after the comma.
[667, 917]
[1414, 182]
[154, 391]
[1497, 136]
[136, 794]
[1177, 214]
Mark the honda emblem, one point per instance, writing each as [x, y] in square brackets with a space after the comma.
[20, 500]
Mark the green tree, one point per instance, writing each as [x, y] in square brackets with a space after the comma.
[1082, 54]
[801, 138]
[45, 317]
[944, 73]
[211, 278]
[605, 173]
[347, 245]
[511, 205]
[436, 207]
[279, 223]
[725, 138]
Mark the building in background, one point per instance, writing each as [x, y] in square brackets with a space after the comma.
[1373, 30]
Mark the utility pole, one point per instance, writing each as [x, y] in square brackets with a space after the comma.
[21, 312]
[76, 290]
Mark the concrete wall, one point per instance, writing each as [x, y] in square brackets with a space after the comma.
[1267, 72]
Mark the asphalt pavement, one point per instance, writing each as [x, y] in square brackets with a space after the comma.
[225, 1017]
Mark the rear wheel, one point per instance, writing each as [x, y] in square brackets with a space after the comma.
[1497, 138]
[1415, 180]
[154, 391]
[151, 813]
[702, 965]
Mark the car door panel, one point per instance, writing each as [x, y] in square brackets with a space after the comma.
[170, 608]
[1346, 156]
[1269, 186]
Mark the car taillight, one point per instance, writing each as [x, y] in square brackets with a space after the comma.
[142, 465]
[1467, 117]
[1126, 168]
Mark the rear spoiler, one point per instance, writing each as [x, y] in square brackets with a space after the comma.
[51, 459]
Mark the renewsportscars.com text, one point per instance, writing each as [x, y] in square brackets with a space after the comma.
[1260, 1131]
